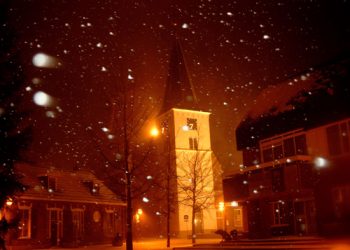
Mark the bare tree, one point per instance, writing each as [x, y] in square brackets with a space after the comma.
[195, 183]
[125, 148]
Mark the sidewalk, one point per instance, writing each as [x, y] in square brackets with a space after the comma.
[278, 243]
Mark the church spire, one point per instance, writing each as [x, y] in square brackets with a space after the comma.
[179, 91]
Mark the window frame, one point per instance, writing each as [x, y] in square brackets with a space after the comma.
[28, 234]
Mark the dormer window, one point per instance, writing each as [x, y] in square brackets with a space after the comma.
[49, 183]
[94, 188]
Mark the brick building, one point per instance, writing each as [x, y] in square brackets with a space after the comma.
[295, 176]
[64, 208]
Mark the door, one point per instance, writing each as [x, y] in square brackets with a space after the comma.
[198, 220]
[305, 217]
[55, 226]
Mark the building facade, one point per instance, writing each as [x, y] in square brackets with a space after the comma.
[295, 176]
[300, 185]
[63, 208]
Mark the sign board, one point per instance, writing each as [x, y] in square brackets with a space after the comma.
[186, 218]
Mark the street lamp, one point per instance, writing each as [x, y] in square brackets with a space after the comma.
[138, 215]
[320, 162]
[154, 132]
[9, 202]
[234, 204]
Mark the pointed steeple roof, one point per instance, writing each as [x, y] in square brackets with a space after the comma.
[179, 91]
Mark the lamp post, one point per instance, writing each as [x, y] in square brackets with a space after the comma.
[165, 132]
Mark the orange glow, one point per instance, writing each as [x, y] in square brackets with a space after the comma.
[154, 132]
[234, 204]
[221, 206]
[9, 202]
[139, 211]
[137, 217]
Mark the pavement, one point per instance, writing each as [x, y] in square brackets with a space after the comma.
[282, 243]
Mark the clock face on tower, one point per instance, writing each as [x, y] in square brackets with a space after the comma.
[192, 123]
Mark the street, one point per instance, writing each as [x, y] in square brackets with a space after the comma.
[209, 244]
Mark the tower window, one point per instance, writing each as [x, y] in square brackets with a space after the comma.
[192, 123]
[193, 143]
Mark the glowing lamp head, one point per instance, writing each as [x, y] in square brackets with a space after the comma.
[154, 132]
[234, 204]
[9, 202]
[320, 162]
[139, 211]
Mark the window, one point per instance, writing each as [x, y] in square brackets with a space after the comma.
[289, 148]
[277, 180]
[52, 184]
[48, 183]
[341, 200]
[333, 140]
[55, 225]
[300, 145]
[192, 123]
[25, 222]
[78, 223]
[273, 152]
[338, 139]
[251, 156]
[278, 152]
[193, 142]
[279, 213]
[344, 137]
[94, 188]
[110, 225]
[237, 217]
[267, 155]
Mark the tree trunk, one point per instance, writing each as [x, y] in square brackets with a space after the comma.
[129, 213]
[168, 193]
[193, 226]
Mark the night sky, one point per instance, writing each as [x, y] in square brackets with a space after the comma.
[233, 49]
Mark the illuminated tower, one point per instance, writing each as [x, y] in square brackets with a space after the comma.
[189, 156]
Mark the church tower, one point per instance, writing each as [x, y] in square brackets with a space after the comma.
[196, 189]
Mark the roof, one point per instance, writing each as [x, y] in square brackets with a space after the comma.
[70, 185]
[307, 100]
[179, 90]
